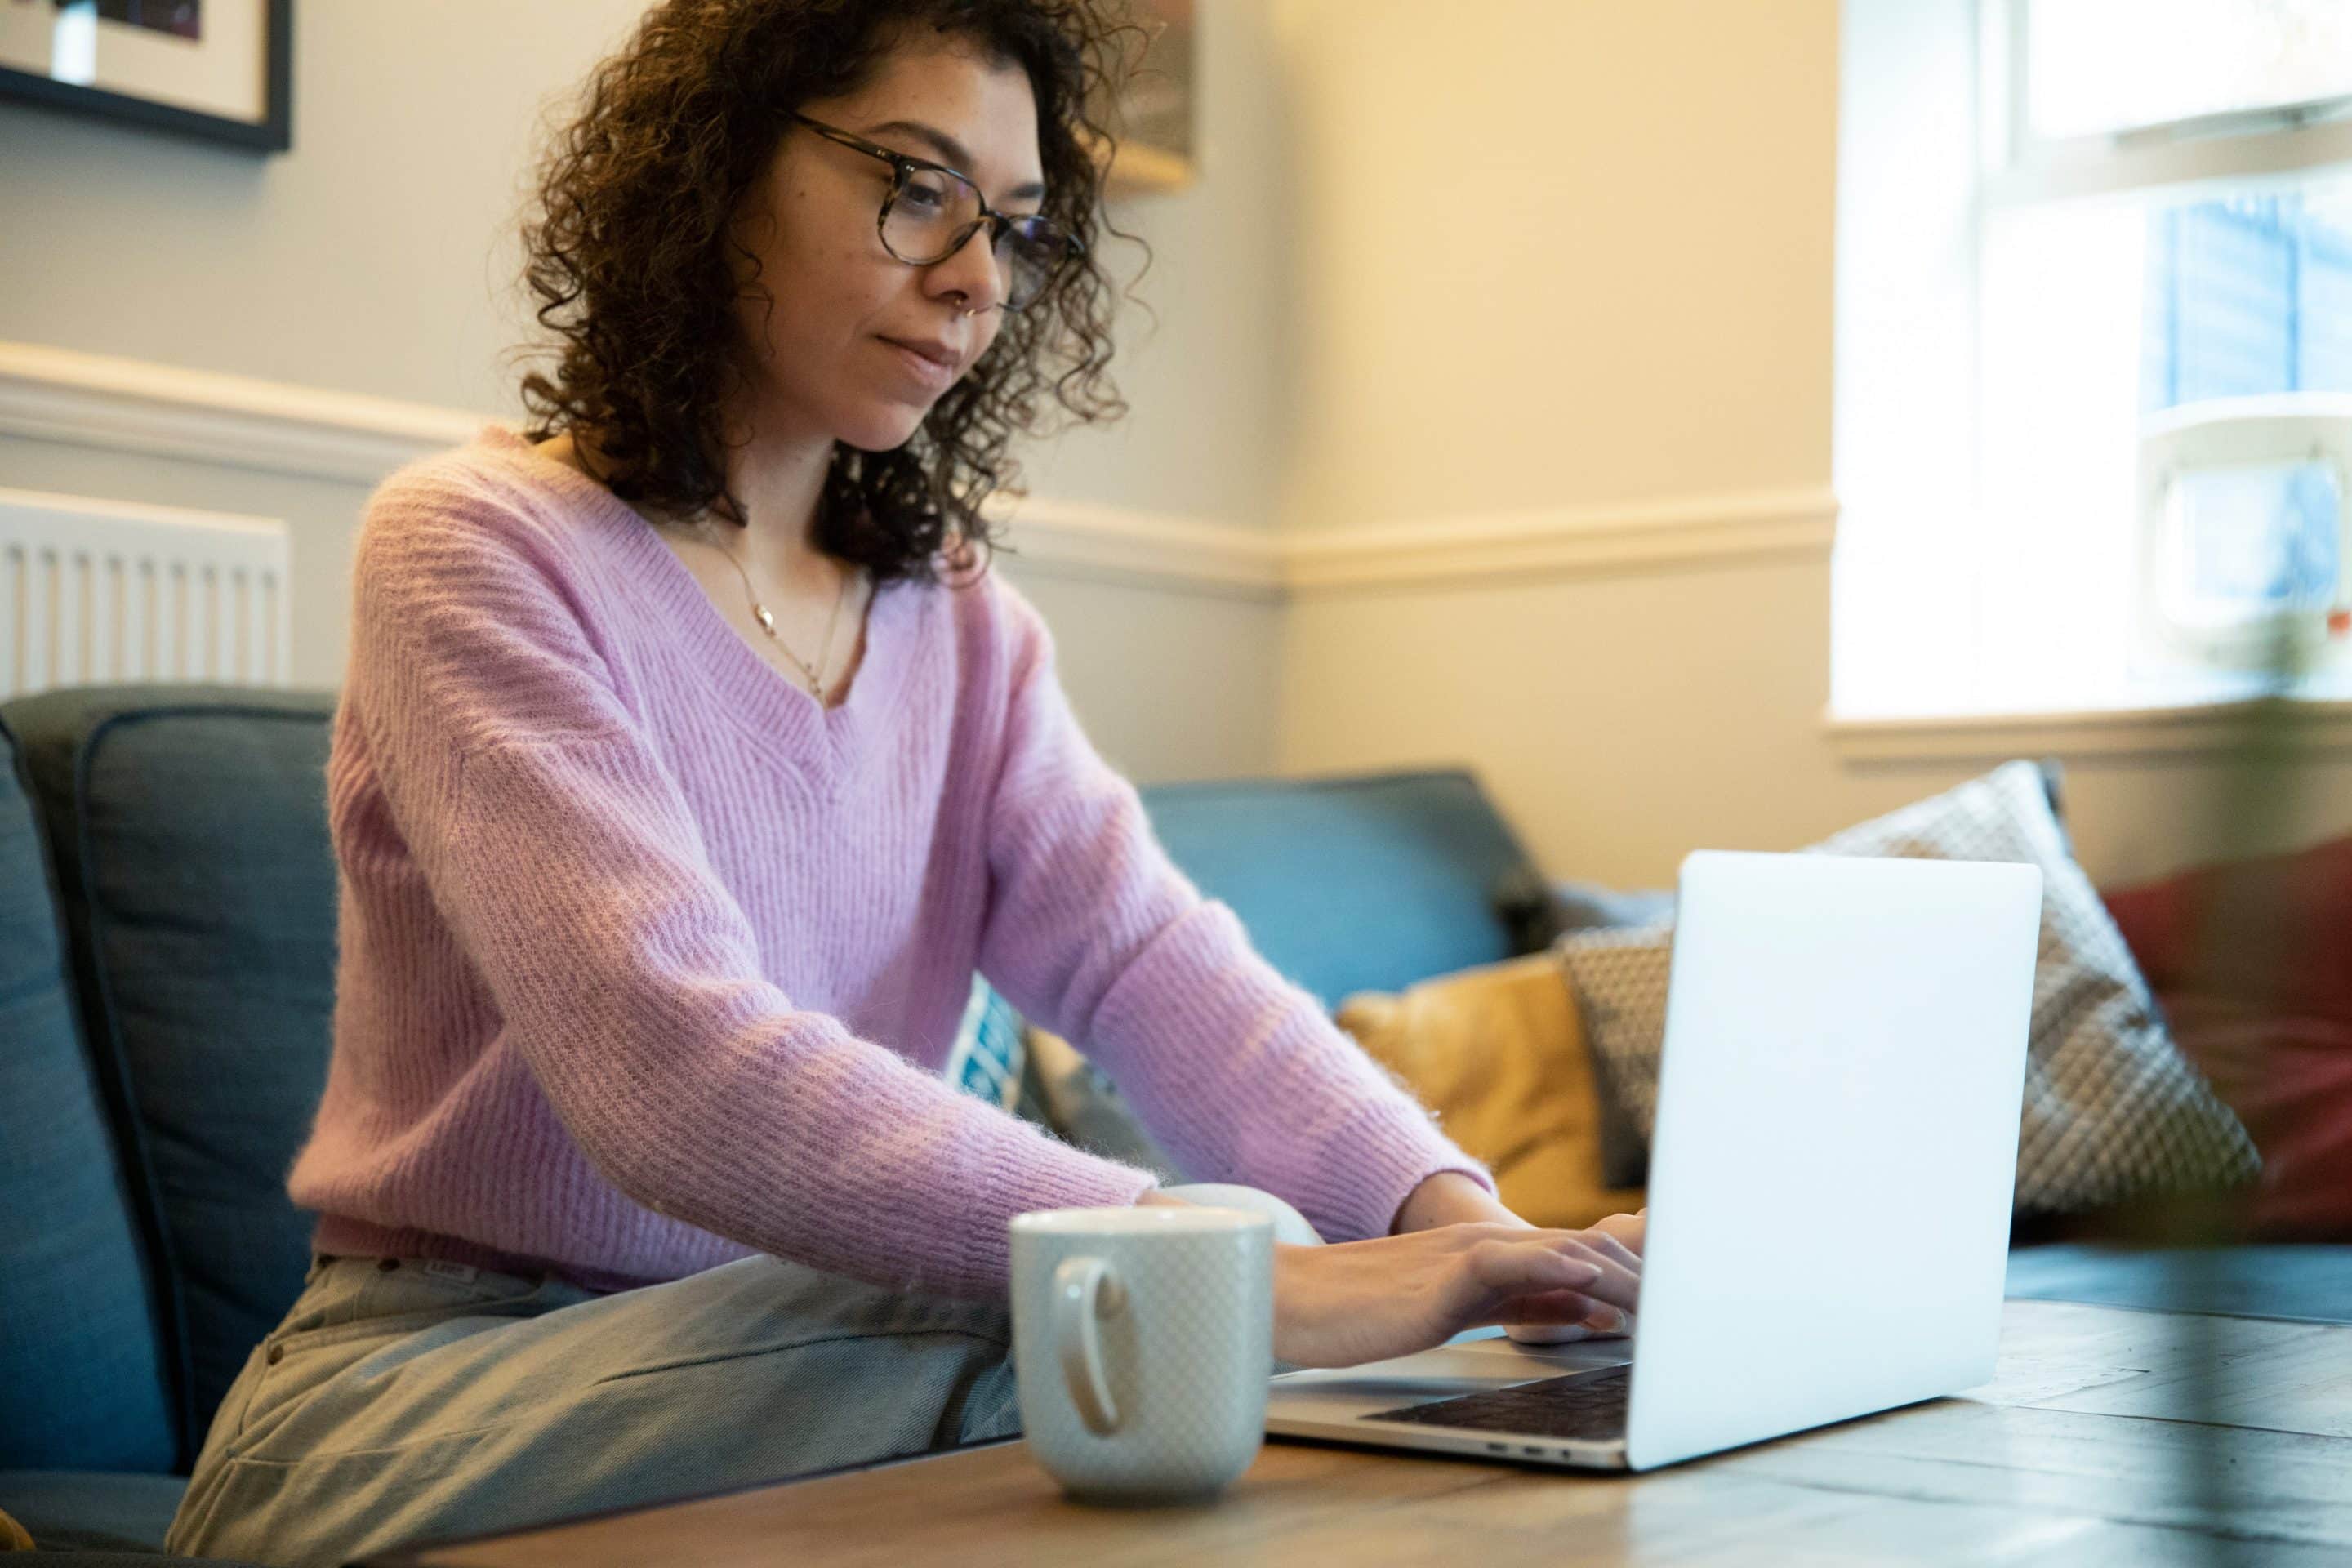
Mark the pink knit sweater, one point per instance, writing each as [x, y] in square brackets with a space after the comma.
[649, 962]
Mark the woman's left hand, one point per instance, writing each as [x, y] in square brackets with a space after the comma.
[1449, 1197]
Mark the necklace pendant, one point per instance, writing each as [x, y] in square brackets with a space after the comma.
[767, 621]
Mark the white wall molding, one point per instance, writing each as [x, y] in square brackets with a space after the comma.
[134, 406]
[1506, 549]
[1082, 539]
[2306, 726]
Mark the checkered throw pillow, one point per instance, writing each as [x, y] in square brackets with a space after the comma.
[2112, 1109]
[1618, 974]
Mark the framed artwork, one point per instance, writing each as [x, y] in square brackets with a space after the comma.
[1152, 115]
[220, 69]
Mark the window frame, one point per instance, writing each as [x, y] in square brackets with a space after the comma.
[2272, 145]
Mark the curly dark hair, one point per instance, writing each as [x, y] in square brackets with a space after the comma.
[627, 254]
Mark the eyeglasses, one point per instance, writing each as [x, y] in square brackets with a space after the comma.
[931, 211]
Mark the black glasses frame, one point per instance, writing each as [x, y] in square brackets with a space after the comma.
[1031, 227]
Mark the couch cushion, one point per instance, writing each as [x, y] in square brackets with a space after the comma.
[2253, 963]
[81, 1366]
[1497, 1054]
[191, 835]
[1349, 884]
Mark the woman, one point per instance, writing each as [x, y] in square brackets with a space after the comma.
[686, 767]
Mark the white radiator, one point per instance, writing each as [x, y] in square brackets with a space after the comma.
[96, 591]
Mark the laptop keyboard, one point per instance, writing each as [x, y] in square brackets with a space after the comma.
[1585, 1405]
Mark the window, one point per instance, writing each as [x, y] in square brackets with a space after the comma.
[2124, 230]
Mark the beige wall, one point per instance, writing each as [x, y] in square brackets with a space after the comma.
[1653, 322]
[378, 258]
[1558, 250]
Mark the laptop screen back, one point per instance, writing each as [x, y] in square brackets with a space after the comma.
[1835, 1150]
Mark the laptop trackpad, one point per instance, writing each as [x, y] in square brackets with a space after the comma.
[1582, 1407]
[1445, 1372]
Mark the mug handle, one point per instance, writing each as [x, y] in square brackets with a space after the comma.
[1084, 1291]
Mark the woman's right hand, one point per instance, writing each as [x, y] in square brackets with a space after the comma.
[1354, 1302]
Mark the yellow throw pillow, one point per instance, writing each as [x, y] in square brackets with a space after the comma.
[1498, 1053]
[14, 1537]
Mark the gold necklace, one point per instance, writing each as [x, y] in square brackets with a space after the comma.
[760, 612]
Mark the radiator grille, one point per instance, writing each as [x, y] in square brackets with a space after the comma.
[95, 590]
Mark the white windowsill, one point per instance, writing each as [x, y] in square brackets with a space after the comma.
[2312, 724]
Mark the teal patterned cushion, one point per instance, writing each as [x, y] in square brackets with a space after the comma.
[987, 1056]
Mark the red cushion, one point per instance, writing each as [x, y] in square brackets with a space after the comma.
[2253, 963]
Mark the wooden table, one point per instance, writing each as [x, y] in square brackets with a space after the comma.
[2100, 1443]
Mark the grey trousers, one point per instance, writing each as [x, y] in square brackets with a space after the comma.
[404, 1402]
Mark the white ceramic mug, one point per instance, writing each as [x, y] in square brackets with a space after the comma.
[1143, 1339]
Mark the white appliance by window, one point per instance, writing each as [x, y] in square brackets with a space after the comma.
[2245, 541]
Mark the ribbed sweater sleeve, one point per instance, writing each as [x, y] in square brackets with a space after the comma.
[627, 980]
[1096, 933]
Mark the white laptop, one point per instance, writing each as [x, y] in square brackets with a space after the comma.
[1830, 1183]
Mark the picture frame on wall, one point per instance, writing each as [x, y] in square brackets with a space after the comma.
[1151, 115]
[218, 69]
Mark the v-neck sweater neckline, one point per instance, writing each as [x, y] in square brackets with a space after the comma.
[762, 699]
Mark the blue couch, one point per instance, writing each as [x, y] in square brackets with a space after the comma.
[167, 915]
